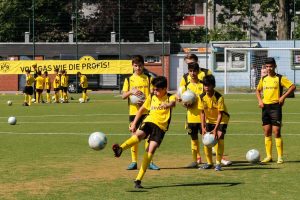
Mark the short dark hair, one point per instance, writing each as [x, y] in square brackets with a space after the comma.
[191, 56]
[78, 73]
[39, 72]
[159, 82]
[27, 71]
[56, 70]
[209, 80]
[194, 66]
[137, 59]
[46, 73]
[270, 60]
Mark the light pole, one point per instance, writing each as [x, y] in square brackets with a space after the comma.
[162, 36]
[33, 31]
[76, 28]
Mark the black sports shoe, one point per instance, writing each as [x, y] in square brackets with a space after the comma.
[117, 150]
[138, 184]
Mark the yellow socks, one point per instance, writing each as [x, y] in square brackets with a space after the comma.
[48, 97]
[84, 96]
[29, 99]
[208, 155]
[134, 152]
[219, 151]
[145, 164]
[195, 149]
[268, 146]
[279, 147]
[130, 142]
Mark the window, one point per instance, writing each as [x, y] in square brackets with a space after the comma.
[152, 59]
[236, 61]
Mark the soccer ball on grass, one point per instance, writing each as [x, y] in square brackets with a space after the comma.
[81, 100]
[253, 156]
[97, 141]
[12, 120]
[9, 102]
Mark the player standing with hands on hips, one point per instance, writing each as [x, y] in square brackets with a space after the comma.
[271, 104]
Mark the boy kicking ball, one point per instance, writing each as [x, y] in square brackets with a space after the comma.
[153, 127]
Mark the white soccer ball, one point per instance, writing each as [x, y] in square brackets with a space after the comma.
[12, 120]
[81, 100]
[135, 99]
[53, 98]
[61, 100]
[9, 102]
[209, 140]
[97, 141]
[253, 156]
[188, 97]
[33, 100]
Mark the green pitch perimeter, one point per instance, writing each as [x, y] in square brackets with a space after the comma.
[46, 155]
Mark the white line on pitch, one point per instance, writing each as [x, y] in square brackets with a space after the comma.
[119, 134]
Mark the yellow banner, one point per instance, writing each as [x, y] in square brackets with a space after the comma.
[86, 65]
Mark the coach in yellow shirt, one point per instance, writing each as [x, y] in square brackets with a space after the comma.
[271, 104]
[83, 84]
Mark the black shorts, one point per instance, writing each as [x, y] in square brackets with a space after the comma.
[193, 129]
[222, 128]
[56, 89]
[131, 118]
[39, 90]
[153, 132]
[48, 90]
[84, 90]
[272, 114]
[28, 90]
[65, 89]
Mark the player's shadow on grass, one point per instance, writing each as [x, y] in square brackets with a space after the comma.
[225, 184]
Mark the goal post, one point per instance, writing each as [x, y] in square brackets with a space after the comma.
[243, 67]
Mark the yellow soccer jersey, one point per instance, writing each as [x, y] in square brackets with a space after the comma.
[29, 80]
[211, 106]
[40, 81]
[83, 81]
[160, 117]
[200, 77]
[47, 83]
[193, 112]
[56, 82]
[64, 81]
[140, 82]
[271, 88]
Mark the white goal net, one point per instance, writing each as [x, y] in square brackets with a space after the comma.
[243, 67]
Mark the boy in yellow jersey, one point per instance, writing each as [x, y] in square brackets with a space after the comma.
[190, 58]
[56, 86]
[28, 90]
[271, 86]
[138, 84]
[153, 127]
[84, 85]
[214, 119]
[47, 86]
[193, 121]
[39, 84]
[64, 83]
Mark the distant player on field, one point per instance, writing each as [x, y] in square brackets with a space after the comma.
[214, 117]
[40, 82]
[83, 84]
[273, 99]
[47, 86]
[153, 127]
[56, 86]
[137, 84]
[64, 84]
[28, 90]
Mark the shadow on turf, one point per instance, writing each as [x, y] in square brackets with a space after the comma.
[226, 184]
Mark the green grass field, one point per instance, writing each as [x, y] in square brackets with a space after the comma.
[46, 154]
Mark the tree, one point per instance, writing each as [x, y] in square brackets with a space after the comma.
[137, 18]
